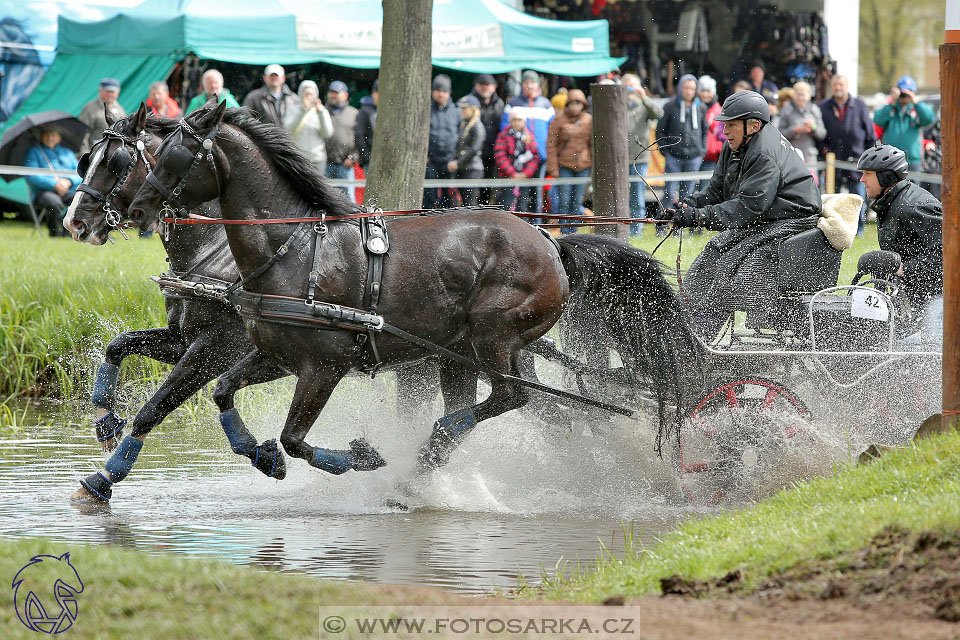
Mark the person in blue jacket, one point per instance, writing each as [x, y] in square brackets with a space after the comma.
[52, 192]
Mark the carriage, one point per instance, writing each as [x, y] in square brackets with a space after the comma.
[817, 357]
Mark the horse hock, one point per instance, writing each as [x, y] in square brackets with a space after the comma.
[266, 457]
[448, 432]
[117, 467]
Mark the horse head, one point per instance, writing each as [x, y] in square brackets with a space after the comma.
[189, 170]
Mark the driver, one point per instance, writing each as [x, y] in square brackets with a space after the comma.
[909, 221]
[760, 194]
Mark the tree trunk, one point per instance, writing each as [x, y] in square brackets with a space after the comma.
[611, 161]
[398, 160]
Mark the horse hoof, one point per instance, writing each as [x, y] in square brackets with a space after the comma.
[85, 496]
[367, 458]
[270, 461]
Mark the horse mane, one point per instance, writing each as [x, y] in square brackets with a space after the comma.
[290, 161]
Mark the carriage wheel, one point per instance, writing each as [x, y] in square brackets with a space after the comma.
[730, 430]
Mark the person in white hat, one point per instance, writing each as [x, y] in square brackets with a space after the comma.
[274, 98]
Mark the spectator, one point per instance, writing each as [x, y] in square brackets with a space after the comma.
[272, 100]
[850, 132]
[641, 111]
[559, 100]
[92, 113]
[442, 148]
[759, 83]
[491, 113]
[366, 121]
[536, 111]
[801, 122]
[52, 192]
[160, 103]
[212, 83]
[570, 152]
[341, 149]
[740, 85]
[715, 137]
[516, 155]
[903, 120]
[684, 126]
[468, 163]
[310, 125]
[784, 95]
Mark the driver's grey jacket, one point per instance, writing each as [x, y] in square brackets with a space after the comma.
[910, 223]
[763, 182]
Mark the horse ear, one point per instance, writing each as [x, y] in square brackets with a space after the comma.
[108, 116]
[140, 120]
[213, 100]
[217, 117]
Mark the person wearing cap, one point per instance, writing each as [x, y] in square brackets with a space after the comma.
[92, 113]
[212, 83]
[909, 223]
[517, 157]
[903, 120]
[536, 111]
[272, 100]
[442, 147]
[52, 192]
[759, 83]
[341, 147]
[707, 92]
[760, 194]
[491, 114]
[641, 113]
[309, 124]
[570, 152]
[682, 136]
[801, 123]
[468, 163]
[159, 102]
[366, 121]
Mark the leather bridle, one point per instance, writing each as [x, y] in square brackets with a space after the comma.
[171, 197]
[120, 168]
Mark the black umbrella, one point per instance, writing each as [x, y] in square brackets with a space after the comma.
[21, 136]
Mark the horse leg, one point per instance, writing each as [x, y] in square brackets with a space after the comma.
[253, 368]
[163, 344]
[313, 390]
[450, 430]
[458, 386]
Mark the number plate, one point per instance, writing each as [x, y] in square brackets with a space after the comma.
[868, 304]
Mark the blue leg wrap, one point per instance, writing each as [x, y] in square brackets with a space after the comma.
[105, 388]
[447, 433]
[98, 486]
[123, 459]
[456, 425]
[109, 427]
[335, 461]
[241, 441]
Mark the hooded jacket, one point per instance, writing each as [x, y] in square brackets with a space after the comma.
[910, 223]
[689, 124]
[490, 115]
[363, 129]
[570, 140]
[470, 143]
[640, 113]
[764, 181]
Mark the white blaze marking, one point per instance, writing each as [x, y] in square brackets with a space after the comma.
[91, 170]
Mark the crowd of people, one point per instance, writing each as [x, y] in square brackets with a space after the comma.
[530, 136]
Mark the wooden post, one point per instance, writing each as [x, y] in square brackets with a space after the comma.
[830, 173]
[611, 172]
[950, 136]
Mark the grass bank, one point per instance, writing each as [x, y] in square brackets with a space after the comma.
[914, 488]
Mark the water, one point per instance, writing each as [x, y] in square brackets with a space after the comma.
[515, 500]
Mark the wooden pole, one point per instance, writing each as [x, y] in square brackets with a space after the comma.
[950, 136]
[830, 173]
[611, 172]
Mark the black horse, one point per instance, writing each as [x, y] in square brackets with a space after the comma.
[203, 338]
[480, 284]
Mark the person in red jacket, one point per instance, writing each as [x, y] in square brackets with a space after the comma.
[160, 103]
[715, 137]
[516, 156]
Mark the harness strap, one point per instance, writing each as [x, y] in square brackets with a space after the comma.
[319, 232]
[280, 252]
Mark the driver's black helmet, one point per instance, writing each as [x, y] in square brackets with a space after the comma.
[743, 105]
[889, 162]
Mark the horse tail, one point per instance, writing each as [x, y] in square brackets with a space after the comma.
[621, 299]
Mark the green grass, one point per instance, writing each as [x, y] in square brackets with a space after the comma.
[62, 301]
[129, 594]
[915, 487]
